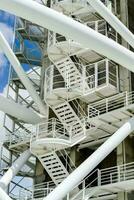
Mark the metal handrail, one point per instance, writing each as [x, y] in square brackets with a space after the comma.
[23, 135]
[107, 176]
[55, 129]
[118, 101]
[107, 30]
[37, 191]
[89, 77]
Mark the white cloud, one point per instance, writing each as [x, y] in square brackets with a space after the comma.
[7, 31]
[3, 61]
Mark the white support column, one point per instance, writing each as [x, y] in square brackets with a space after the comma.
[3, 195]
[113, 20]
[14, 169]
[4, 46]
[70, 28]
[88, 165]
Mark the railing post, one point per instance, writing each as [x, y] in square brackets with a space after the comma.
[83, 189]
[119, 175]
[96, 26]
[96, 75]
[70, 133]
[106, 105]
[37, 132]
[68, 196]
[126, 94]
[107, 71]
[47, 188]
[53, 127]
[84, 124]
[99, 177]
[83, 78]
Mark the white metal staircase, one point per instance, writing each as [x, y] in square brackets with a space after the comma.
[74, 80]
[71, 73]
[54, 167]
[101, 184]
[67, 116]
[51, 140]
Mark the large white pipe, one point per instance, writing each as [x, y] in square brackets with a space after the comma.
[3, 195]
[57, 22]
[113, 20]
[4, 46]
[14, 169]
[88, 165]
[19, 111]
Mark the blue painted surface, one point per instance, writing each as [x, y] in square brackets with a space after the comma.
[29, 49]
[6, 27]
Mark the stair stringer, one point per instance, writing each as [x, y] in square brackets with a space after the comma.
[54, 167]
[67, 116]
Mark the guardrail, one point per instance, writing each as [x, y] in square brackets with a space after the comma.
[55, 129]
[115, 102]
[110, 4]
[100, 26]
[91, 77]
[86, 187]
[103, 177]
[38, 191]
[22, 135]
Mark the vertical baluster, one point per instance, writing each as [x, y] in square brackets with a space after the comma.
[99, 177]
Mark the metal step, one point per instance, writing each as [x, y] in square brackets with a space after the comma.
[70, 73]
[67, 116]
[54, 167]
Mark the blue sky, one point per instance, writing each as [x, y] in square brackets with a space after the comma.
[7, 22]
[6, 27]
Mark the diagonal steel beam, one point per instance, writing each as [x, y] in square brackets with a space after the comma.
[4, 46]
[57, 22]
[90, 163]
[14, 169]
[113, 21]
[3, 195]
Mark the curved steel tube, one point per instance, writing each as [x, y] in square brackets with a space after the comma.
[88, 165]
[113, 20]
[21, 73]
[66, 26]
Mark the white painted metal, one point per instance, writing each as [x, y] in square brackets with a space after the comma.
[55, 136]
[87, 166]
[54, 167]
[14, 169]
[88, 82]
[113, 20]
[103, 184]
[37, 191]
[21, 73]
[3, 195]
[68, 117]
[20, 138]
[60, 46]
[50, 136]
[19, 111]
[66, 26]
[122, 101]
[114, 179]
[71, 74]
[89, 38]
